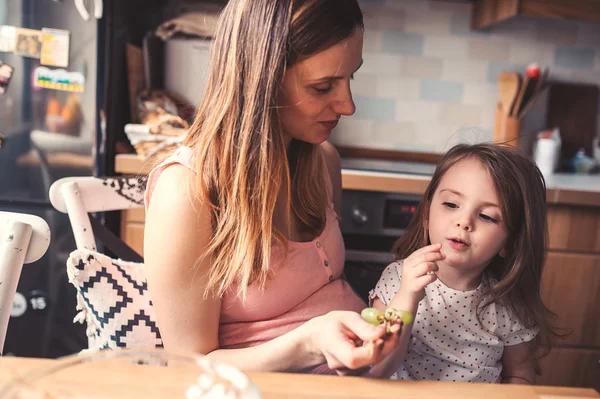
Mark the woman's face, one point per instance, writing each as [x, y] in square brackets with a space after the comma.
[316, 91]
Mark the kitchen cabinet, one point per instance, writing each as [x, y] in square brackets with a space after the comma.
[489, 12]
[570, 285]
[571, 367]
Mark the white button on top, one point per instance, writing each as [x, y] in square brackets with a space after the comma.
[318, 244]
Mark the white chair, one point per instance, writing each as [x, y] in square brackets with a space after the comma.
[112, 294]
[79, 196]
[23, 239]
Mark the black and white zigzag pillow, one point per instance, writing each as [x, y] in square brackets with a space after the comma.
[113, 299]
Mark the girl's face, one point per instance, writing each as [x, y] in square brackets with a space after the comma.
[316, 91]
[465, 217]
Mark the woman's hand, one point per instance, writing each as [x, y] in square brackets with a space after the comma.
[335, 336]
[418, 270]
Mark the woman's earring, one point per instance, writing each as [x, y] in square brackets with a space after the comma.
[502, 253]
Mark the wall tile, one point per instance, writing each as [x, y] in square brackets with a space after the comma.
[484, 94]
[434, 136]
[491, 50]
[461, 114]
[380, 64]
[354, 132]
[516, 29]
[391, 133]
[557, 32]
[417, 6]
[430, 22]
[495, 68]
[384, 18]
[427, 77]
[448, 48]
[574, 58]
[411, 111]
[460, 25]
[376, 109]
[465, 71]
[442, 91]
[372, 41]
[402, 43]
[462, 8]
[527, 52]
[364, 85]
[421, 67]
[405, 89]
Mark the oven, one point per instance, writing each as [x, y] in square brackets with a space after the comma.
[371, 222]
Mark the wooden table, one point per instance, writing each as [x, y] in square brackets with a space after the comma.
[121, 383]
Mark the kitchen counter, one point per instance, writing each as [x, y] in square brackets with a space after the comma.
[563, 189]
[125, 381]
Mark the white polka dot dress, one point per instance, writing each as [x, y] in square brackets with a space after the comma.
[447, 342]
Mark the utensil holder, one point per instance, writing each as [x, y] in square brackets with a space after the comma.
[507, 128]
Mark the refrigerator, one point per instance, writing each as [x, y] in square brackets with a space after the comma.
[50, 127]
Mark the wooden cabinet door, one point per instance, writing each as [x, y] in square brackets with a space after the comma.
[570, 287]
[571, 367]
[574, 228]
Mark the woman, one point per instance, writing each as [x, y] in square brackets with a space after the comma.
[242, 245]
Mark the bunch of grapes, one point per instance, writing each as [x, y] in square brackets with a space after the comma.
[390, 317]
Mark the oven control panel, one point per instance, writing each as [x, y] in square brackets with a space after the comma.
[377, 213]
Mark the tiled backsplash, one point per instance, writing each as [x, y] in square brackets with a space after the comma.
[428, 81]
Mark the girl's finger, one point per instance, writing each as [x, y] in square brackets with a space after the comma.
[424, 268]
[430, 257]
[425, 280]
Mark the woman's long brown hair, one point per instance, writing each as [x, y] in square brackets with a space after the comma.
[242, 162]
[521, 190]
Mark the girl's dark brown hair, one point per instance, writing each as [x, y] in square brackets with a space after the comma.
[521, 190]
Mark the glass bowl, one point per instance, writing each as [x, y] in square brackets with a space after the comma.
[131, 373]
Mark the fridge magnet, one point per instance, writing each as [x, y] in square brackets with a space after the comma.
[29, 42]
[59, 79]
[6, 72]
[8, 38]
[55, 47]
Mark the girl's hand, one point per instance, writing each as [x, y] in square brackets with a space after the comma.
[418, 271]
[335, 337]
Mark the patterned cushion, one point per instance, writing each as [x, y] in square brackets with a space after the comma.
[113, 299]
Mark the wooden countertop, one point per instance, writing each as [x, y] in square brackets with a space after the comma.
[98, 381]
[562, 189]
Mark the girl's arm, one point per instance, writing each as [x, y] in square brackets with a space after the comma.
[387, 367]
[417, 272]
[177, 231]
[517, 365]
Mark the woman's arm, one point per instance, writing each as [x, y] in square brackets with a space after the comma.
[517, 365]
[177, 232]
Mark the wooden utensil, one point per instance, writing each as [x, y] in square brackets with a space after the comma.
[508, 87]
[539, 87]
[519, 100]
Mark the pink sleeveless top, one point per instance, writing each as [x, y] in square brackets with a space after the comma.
[306, 284]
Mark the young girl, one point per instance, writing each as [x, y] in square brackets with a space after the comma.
[469, 269]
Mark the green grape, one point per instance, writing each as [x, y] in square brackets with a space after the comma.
[372, 316]
[406, 317]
